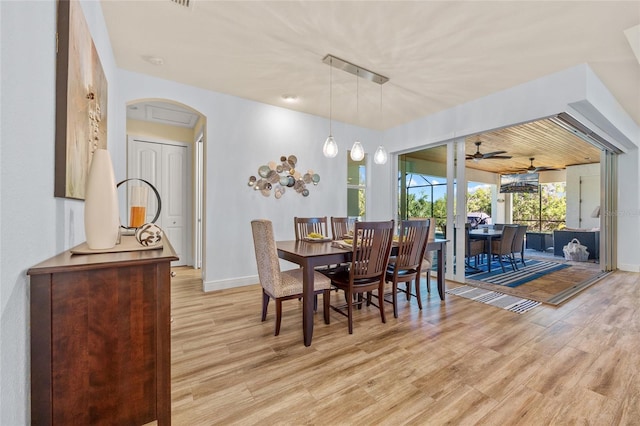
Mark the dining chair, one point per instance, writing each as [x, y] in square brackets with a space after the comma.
[339, 227]
[366, 273]
[279, 285]
[406, 265]
[306, 225]
[518, 244]
[473, 248]
[502, 247]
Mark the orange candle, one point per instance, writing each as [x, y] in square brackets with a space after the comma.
[138, 214]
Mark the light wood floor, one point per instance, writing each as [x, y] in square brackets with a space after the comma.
[455, 362]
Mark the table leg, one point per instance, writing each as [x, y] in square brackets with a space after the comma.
[307, 303]
[441, 272]
[490, 259]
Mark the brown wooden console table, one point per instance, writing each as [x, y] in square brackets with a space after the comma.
[100, 338]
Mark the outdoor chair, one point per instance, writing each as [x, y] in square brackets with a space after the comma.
[518, 244]
[503, 247]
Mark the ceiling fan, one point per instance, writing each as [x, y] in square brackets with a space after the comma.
[477, 156]
[534, 169]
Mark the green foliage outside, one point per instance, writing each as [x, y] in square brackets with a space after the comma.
[543, 211]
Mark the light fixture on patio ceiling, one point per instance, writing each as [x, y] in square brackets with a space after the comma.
[357, 151]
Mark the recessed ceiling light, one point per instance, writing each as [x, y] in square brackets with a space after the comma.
[155, 60]
[290, 98]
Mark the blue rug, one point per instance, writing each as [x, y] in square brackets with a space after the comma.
[533, 270]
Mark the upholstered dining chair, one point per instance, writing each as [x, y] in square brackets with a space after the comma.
[306, 225]
[366, 273]
[502, 248]
[339, 227]
[518, 244]
[405, 266]
[279, 285]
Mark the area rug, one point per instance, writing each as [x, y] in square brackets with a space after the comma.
[494, 298]
[533, 270]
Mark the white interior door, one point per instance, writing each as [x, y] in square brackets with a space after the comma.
[166, 167]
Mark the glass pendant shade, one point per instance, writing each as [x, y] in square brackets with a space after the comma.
[357, 152]
[380, 157]
[330, 147]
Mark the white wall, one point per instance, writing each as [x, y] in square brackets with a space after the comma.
[34, 225]
[574, 190]
[233, 125]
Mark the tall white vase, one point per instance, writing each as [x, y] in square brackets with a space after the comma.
[101, 217]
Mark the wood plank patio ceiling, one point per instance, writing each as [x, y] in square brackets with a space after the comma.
[549, 144]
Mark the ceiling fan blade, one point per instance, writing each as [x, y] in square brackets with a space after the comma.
[500, 157]
[545, 169]
[493, 154]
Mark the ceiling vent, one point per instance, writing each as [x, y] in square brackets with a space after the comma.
[185, 3]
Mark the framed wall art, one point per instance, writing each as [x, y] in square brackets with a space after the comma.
[81, 102]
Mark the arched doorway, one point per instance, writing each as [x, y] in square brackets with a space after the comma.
[166, 145]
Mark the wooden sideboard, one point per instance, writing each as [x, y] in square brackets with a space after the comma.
[100, 338]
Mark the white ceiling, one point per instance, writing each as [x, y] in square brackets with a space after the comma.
[437, 54]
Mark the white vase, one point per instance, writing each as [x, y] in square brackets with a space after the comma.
[101, 217]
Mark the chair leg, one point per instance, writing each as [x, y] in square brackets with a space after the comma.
[278, 315]
[408, 291]
[350, 311]
[418, 290]
[265, 303]
[315, 303]
[394, 298]
[501, 264]
[381, 304]
[326, 296]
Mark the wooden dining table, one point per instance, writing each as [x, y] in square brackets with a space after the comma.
[488, 235]
[311, 254]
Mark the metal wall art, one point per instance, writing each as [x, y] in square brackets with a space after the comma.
[278, 177]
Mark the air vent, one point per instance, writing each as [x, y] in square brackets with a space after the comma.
[185, 3]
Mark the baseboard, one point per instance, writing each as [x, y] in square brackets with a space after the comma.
[628, 267]
[230, 283]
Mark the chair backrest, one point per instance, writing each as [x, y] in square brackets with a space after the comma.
[371, 249]
[498, 226]
[506, 240]
[412, 243]
[306, 225]
[339, 227]
[518, 240]
[266, 255]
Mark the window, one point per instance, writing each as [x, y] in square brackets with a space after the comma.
[543, 211]
[356, 187]
[426, 196]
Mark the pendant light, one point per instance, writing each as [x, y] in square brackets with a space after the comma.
[330, 147]
[357, 152]
[380, 157]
